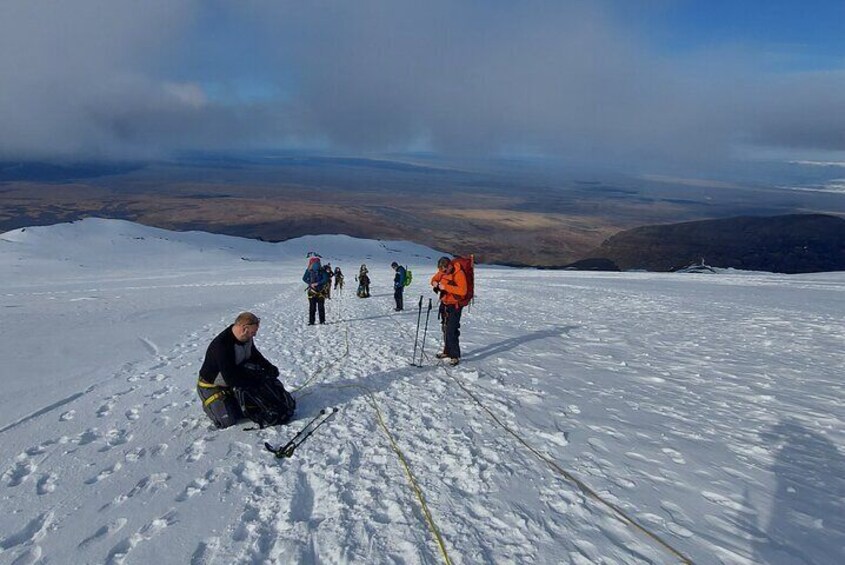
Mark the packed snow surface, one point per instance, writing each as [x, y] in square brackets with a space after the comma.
[594, 418]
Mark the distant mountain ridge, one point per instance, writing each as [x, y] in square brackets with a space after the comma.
[795, 243]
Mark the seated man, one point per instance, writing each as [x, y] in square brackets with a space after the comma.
[232, 360]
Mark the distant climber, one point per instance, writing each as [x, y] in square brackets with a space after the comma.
[398, 285]
[318, 282]
[363, 279]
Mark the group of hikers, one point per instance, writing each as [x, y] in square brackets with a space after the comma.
[237, 381]
[319, 277]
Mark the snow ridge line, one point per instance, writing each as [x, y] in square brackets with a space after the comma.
[435, 531]
[618, 512]
[326, 366]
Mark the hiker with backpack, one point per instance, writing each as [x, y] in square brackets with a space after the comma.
[398, 285]
[363, 282]
[451, 283]
[234, 370]
[318, 281]
[338, 278]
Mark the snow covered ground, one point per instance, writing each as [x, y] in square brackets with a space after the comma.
[706, 409]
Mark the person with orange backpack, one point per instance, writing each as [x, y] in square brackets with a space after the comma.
[453, 283]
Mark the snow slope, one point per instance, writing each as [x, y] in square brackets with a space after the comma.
[706, 409]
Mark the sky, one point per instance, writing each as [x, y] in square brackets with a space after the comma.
[608, 82]
[705, 408]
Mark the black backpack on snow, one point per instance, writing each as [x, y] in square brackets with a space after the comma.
[267, 404]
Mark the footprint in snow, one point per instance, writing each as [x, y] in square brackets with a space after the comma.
[104, 473]
[150, 484]
[121, 551]
[206, 552]
[23, 468]
[135, 454]
[30, 535]
[195, 487]
[302, 502]
[159, 449]
[47, 483]
[156, 394]
[88, 436]
[105, 409]
[116, 437]
[105, 531]
[195, 451]
[67, 416]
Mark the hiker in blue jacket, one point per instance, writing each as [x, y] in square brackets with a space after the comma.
[318, 281]
[398, 285]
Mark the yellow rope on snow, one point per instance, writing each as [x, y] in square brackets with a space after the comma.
[402, 459]
[414, 485]
[406, 466]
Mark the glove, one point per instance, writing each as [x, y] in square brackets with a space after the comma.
[435, 290]
[273, 372]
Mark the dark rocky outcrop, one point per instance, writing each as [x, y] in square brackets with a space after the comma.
[593, 264]
[799, 243]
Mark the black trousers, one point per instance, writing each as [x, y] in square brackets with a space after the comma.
[397, 295]
[315, 303]
[450, 323]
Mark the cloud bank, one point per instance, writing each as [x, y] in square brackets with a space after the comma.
[126, 79]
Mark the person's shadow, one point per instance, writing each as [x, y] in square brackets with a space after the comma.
[510, 343]
[344, 391]
[807, 522]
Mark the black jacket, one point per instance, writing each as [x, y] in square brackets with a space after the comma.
[221, 360]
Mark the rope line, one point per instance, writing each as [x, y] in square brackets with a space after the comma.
[429, 518]
[394, 445]
[414, 485]
[618, 512]
[327, 366]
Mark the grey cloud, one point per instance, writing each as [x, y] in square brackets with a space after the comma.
[807, 110]
[566, 79]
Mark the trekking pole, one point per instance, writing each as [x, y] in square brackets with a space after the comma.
[309, 428]
[288, 451]
[417, 336]
[425, 331]
[296, 436]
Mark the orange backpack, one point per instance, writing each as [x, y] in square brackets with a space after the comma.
[467, 264]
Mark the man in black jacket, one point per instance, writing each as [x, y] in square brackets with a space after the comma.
[232, 360]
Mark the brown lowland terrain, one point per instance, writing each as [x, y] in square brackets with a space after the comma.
[476, 223]
[507, 220]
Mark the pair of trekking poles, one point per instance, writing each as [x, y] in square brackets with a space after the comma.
[425, 333]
